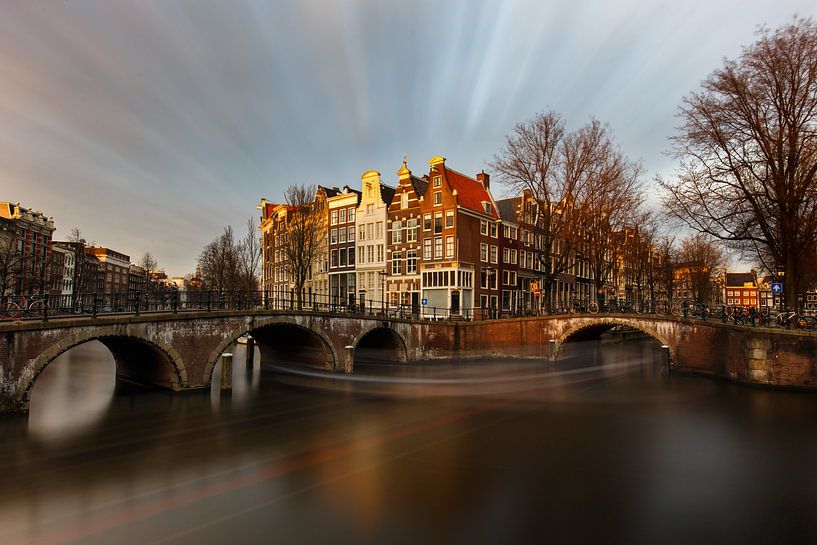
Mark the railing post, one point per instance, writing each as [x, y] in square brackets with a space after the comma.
[138, 299]
[93, 306]
[209, 300]
[45, 309]
[175, 301]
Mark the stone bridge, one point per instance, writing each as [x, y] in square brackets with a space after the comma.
[180, 351]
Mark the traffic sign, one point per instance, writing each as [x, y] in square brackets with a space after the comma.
[777, 287]
[425, 301]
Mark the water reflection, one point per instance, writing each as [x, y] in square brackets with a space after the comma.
[73, 393]
[600, 447]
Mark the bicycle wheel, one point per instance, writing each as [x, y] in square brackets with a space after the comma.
[593, 308]
[675, 310]
[36, 309]
[9, 310]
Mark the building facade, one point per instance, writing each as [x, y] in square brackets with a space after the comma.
[402, 279]
[459, 234]
[371, 219]
[740, 290]
[29, 254]
[114, 269]
[342, 210]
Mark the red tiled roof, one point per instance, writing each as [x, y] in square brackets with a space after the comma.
[470, 193]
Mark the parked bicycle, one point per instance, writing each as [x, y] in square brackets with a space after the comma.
[32, 307]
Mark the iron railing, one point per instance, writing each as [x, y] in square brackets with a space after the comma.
[44, 307]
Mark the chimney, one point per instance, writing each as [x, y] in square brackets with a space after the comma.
[484, 179]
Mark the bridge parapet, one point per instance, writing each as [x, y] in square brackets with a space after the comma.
[180, 351]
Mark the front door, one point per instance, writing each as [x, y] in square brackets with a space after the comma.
[415, 302]
[455, 302]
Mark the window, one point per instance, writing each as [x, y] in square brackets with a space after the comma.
[438, 247]
[342, 235]
[380, 252]
[506, 231]
[379, 229]
[369, 209]
[351, 233]
[449, 247]
[396, 258]
[342, 217]
[483, 227]
[370, 253]
[333, 236]
[438, 198]
[361, 235]
[487, 206]
[483, 252]
[438, 181]
[449, 219]
[427, 222]
[513, 257]
[494, 230]
[404, 200]
[334, 217]
[342, 257]
[427, 248]
[438, 223]
[361, 254]
[411, 262]
[493, 253]
[369, 230]
[397, 232]
[411, 230]
[334, 262]
[351, 256]
[351, 215]
[506, 255]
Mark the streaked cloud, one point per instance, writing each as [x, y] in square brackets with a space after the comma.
[152, 124]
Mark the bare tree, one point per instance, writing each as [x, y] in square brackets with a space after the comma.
[666, 258]
[150, 266]
[250, 257]
[219, 263]
[75, 235]
[748, 150]
[9, 261]
[579, 181]
[301, 243]
[701, 258]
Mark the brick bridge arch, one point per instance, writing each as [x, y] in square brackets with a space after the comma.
[167, 368]
[258, 325]
[402, 345]
[643, 325]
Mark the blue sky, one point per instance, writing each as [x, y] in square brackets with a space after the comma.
[152, 124]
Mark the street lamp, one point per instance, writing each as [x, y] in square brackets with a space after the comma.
[382, 275]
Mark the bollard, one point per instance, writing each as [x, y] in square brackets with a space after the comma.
[665, 360]
[250, 352]
[348, 361]
[553, 349]
[227, 371]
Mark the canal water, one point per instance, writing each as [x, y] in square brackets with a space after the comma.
[600, 447]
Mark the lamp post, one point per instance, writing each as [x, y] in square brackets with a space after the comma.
[382, 275]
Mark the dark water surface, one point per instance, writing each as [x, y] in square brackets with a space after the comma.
[600, 447]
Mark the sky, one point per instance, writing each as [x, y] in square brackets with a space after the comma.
[151, 125]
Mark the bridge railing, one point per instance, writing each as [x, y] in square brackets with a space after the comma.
[45, 307]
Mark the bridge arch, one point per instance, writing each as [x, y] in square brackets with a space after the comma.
[129, 352]
[608, 323]
[261, 329]
[380, 341]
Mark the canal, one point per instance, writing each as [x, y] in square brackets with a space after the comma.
[600, 447]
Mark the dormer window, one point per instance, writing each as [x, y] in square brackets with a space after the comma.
[438, 181]
[487, 206]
